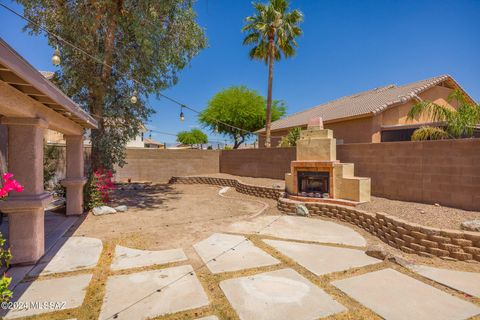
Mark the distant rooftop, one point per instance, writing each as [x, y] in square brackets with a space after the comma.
[365, 103]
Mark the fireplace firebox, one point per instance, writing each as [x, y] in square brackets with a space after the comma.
[313, 183]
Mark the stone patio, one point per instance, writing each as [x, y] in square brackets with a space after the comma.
[224, 253]
[180, 290]
[321, 259]
[280, 294]
[69, 292]
[396, 296]
[468, 282]
[300, 228]
[126, 258]
[277, 295]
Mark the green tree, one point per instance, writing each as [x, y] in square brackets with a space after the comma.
[239, 107]
[192, 137]
[459, 123]
[272, 31]
[149, 41]
[290, 140]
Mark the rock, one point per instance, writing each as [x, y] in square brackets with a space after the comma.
[276, 186]
[376, 251]
[471, 225]
[422, 212]
[437, 204]
[301, 210]
[102, 210]
[121, 208]
[399, 260]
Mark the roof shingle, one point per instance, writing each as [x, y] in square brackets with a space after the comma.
[368, 102]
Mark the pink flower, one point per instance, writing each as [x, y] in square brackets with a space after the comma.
[7, 176]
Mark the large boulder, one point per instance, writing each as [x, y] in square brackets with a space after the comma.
[121, 208]
[103, 210]
[471, 225]
[377, 251]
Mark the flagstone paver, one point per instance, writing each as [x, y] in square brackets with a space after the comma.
[300, 228]
[278, 295]
[126, 258]
[468, 282]
[70, 254]
[395, 296]
[138, 292]
[321, 259]
[63, 293]
[244, 255]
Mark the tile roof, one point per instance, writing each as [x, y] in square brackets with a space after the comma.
[368, 102]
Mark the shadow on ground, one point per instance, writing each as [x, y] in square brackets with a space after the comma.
[145, 196]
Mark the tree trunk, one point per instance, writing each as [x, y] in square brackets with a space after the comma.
[269, 95]
[97, 107]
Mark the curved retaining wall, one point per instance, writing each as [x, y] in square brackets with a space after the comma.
[257, 191]
[406, 236]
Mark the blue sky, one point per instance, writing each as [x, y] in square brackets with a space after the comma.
[347, 47]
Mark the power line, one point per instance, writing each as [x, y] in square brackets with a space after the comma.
[191, 273]
[60, 39]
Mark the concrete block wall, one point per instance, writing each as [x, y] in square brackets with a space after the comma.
[445, 172]
[158, 165]
[270, 163]
[406, 236]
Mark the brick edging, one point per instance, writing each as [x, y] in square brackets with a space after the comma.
[406, 236]
[257, 191]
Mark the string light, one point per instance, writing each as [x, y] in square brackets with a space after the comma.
[134, 99]
[56, 61]
[182, 116]
[56, 57]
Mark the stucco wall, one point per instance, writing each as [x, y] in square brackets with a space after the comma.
[160, 165]
[265, 163]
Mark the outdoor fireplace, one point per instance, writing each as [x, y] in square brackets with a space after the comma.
[317, 176]
[313, 183]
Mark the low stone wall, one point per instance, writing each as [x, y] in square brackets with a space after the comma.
[257, 191]
[406, 236]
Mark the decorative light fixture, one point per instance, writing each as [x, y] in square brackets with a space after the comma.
[182, 116]
[134, 99]
[56, 57]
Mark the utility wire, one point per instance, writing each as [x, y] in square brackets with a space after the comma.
[191, 273]
[60, 39]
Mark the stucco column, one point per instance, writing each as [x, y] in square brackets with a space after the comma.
[75, 179]
[26, 209]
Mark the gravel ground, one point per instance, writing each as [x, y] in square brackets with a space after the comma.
[425, 214]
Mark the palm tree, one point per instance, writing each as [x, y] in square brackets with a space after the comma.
[272, 32]
[459, 123]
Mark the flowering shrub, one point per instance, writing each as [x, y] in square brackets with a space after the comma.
[9, 184]
[98, 188]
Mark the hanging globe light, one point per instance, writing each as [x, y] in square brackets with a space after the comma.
[133, 98]
[56, 57]
[182, 116]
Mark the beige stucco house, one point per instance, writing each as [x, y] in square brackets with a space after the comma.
[377, 115]
[29, 105]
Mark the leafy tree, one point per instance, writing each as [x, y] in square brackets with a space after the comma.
[272, 30]
[239, 107]
[149, 41]
[459, 123]
[290, 140]
[194, 136]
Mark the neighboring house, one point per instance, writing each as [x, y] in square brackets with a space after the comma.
[150, 143]
[378, 115]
